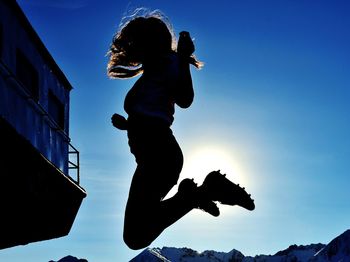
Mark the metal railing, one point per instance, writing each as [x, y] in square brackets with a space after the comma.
[74, 161]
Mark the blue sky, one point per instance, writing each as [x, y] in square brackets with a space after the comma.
[271, 109]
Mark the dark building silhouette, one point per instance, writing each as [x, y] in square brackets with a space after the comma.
[39, 168]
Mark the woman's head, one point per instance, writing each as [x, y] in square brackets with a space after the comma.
[139, 39]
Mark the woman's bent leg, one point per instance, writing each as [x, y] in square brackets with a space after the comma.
[160, 161]
[146, 215]
[144, 225]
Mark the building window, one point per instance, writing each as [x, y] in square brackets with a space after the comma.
[27, 74]
[56, 109]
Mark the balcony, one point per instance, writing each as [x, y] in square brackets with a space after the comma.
[40, 193]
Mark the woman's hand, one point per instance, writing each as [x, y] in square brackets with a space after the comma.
[119, 122]
[185, 46]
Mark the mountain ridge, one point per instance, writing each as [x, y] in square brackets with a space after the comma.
[337, 250]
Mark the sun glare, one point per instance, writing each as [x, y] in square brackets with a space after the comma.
[201, 160]
[205, 159]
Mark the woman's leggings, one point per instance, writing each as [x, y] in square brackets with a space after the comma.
[159, 162]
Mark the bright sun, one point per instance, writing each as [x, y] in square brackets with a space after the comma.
[201, 160]
[205, 159]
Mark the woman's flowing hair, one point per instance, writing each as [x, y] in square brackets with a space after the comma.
[143, 34]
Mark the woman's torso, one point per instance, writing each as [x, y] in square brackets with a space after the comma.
[153, 93]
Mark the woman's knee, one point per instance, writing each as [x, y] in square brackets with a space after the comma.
[136, 239]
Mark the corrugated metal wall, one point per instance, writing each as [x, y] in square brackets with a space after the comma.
[16, 106]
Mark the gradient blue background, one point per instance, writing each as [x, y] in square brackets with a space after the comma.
[272, 101]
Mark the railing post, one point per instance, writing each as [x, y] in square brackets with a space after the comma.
[78, 170]
[72, 165]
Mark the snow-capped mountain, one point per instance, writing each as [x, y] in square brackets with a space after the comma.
[171, 254]
[338, 250]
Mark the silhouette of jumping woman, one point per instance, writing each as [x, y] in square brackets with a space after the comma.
[146, 45]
